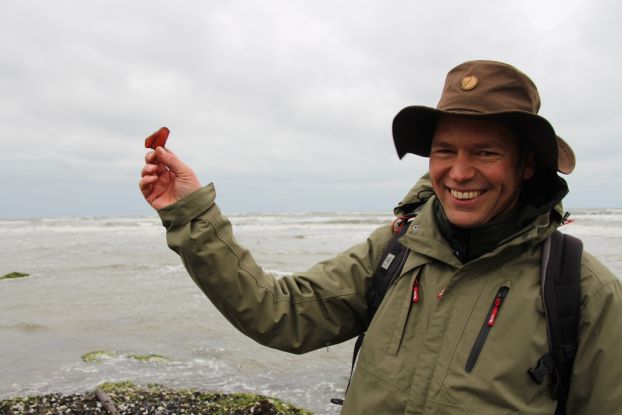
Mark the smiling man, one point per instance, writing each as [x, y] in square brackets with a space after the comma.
[462, 328]
[477, 168]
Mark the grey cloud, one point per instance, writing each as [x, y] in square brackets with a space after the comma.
[290, 95]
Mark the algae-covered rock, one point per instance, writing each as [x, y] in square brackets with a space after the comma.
[160, 399]
[14, 275]
[53, 403]
[99, 356]
[129, 398]
[151, 358]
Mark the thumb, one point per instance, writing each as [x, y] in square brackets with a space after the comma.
[185, 181]
[171, 161]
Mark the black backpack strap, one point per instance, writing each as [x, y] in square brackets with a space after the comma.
[390, 266]
[561, 292]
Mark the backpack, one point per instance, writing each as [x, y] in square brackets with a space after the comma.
[561, 269]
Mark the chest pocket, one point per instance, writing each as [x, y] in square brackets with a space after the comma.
[385, 335]
[501, 337]
[487, 326]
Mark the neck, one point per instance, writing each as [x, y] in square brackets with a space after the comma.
[471, 243]
[539, 195]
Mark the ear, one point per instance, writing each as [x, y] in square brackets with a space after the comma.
[530, 166]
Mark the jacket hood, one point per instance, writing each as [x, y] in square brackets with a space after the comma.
[420, 192]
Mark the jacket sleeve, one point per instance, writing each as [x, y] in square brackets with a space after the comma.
[596, 383]
[297, 313]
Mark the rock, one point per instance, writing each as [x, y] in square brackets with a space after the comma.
[151, 358]
[13, 275]
[100, 355]
[132, 399]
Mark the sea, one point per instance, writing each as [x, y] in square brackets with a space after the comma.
[111, 285]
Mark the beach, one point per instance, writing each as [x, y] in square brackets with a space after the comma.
[110, 285]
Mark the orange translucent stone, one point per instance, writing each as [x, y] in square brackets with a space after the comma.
[157, 139]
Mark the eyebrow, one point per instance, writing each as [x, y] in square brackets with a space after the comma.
[485, 144]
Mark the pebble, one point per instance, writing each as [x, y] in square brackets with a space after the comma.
[150, 400]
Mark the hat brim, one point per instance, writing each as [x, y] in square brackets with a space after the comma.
[414, 126]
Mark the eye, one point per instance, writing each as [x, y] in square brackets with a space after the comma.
[488, 153]
[441, 151]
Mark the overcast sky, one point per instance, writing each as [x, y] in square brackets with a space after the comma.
[286, 105]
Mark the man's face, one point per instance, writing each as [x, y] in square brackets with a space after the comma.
[476, 169]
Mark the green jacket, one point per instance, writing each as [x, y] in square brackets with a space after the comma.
[414, 358]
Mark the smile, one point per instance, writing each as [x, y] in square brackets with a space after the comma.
[472, 194]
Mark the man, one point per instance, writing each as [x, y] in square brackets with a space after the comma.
[474, 261]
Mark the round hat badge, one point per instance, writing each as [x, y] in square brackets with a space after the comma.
[468, 82]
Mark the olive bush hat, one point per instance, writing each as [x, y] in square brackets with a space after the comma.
[490, 90]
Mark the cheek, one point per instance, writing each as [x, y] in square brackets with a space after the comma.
[435, 174]
[507, 176]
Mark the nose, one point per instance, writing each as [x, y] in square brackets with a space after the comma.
[462, 168]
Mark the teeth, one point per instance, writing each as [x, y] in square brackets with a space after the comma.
[465, 195]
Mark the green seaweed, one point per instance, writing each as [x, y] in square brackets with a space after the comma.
[130, 398]
[98, 356]
[203, 402]
[151, 358]
[14, 275]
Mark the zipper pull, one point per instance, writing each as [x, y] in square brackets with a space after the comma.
[496, 305]
[494, 312]
[440, 295]
[416, 296]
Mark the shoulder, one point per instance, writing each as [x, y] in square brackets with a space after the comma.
[597, 366]
[598, 284]
[367, 253]
[378, 240]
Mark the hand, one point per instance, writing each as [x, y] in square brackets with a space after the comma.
[165, 179]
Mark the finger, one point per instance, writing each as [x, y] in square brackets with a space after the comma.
[147, 182]
[146, 190]
[150, 157]
[149, 169]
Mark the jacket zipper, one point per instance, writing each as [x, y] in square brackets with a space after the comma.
[489, 322]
